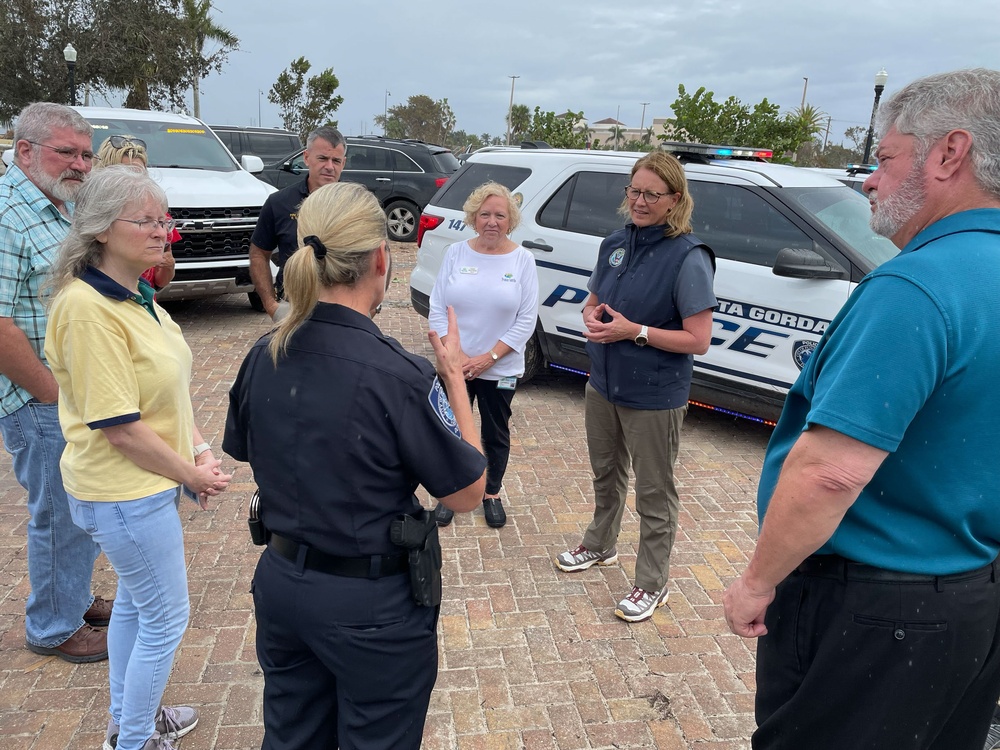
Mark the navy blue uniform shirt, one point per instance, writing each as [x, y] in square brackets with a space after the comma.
[342, 431]
[278, 224]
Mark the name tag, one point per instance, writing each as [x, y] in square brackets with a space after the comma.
[472, 270]
[507, 384]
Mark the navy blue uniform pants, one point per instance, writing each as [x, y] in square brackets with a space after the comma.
[852, 660]
[348, 663]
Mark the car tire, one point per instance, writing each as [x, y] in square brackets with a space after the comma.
[533, 360]
[256, 304]
[402, 218]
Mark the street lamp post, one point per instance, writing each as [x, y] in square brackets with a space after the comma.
[70, 54]
[260, 123]
[385, 114]
[880, 78]
[805, 86]
[510, 107]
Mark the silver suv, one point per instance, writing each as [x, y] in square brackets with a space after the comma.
[791, 245]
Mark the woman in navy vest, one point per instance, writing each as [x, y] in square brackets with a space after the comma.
[648, 314]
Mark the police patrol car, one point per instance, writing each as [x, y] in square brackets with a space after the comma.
[853, 175]
[790, 245]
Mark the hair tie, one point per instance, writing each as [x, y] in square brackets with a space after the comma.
[319, 249]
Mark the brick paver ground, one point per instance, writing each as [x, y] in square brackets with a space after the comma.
[530, 657]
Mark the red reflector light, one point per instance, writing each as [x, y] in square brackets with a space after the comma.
[763, 154]
[427, 223]
[439, 181]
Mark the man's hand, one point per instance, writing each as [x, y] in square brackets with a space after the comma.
[745, 608]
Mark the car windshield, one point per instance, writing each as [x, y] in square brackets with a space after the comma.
[170, 144]
[844, 212]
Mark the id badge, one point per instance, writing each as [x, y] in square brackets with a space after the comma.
[507, 384]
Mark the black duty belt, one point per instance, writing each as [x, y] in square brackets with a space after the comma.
[835, 566]
[375, 566]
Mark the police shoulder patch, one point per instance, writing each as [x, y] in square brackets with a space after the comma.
[439, 403]
[801, 351]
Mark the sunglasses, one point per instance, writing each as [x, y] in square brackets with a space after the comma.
[126, 141]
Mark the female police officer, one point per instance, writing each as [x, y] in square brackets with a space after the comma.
[339, 425]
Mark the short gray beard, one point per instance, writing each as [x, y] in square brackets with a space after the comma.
[54, 186]
[892, 212]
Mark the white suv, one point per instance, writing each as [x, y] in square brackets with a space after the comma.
[214, 199]
[790, 244]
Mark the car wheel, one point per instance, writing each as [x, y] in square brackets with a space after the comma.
[255, 302]
[533, 360]
[402, 218]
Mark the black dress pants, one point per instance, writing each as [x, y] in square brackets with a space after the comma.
[348, 663]
[859, 657]
[494, 413]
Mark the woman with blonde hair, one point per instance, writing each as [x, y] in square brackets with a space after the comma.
[124, 375]
[649, 311]
[340, 424]
[491, 282]
[130, 151]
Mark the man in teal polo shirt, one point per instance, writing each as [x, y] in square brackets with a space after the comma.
[874, 586]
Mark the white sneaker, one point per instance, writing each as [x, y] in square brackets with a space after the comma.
[640, 604]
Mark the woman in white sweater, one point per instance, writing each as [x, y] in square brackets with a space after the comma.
[491, 282]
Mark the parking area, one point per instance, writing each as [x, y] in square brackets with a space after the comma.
[530, 657]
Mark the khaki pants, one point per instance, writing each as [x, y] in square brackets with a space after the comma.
[648, 439]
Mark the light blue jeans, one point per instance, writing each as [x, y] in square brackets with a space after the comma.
[60, 556]
[143, 540]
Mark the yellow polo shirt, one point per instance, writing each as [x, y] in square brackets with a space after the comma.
[118, 358]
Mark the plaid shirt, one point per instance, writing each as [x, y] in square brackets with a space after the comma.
[31, 230]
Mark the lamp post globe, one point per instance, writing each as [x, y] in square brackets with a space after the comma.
[880, 79]
[69, 53]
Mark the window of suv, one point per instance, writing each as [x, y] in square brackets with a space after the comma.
[587, 203]
[404, 163]
[474, 174]
[271, 146]
[368, 159]
[169, 144]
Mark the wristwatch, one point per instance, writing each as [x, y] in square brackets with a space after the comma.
[494, 355]
[201, 448]
[643, 338]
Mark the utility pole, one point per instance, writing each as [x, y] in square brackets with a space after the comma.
[642, 123]
[385, 114]
[618, 127]
[826, 137]
[804, 87]
[510, 107]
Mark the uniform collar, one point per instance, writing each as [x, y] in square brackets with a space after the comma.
[331, 312]
[647, 234]
[304, 186]
[113, 290]
[976, 219]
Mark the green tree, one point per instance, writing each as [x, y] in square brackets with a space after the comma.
[305, 104]
[559, 131]
[700, 118]
[202, 28]
[421, 117]
[857, 135]
[519, 122]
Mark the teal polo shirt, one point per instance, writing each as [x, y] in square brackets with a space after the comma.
[910, 366]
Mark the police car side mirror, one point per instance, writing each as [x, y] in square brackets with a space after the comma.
[252, 164]
[803, 263]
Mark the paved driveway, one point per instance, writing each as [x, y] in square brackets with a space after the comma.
[530, 657]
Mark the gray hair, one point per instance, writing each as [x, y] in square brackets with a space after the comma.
[329, 134]
[37, 121]
[931, 107]
[102, 199]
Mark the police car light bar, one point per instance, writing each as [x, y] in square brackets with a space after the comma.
[724, 152]
[859, 168]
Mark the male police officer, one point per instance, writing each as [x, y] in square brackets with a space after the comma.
[53, 156]
[325, 154]
[876, 563]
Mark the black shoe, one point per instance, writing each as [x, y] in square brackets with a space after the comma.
[493, 509]
[443, 515]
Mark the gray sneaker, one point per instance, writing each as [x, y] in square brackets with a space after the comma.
[993, 737]
[172, 722]
[582, 558]
[158, 742]
[640, 604]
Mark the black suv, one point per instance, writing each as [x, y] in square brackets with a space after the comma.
[403, 174]
[267, 143]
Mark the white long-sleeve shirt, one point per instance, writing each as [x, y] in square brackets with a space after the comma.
[495, 299]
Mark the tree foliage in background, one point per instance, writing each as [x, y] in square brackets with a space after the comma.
[202, 28]
[305, 104]
[700, 118]
[519, 122]
[138, 48]
[422, 118]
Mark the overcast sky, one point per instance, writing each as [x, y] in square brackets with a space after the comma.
[593, 55]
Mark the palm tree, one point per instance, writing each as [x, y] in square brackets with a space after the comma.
[201, 28]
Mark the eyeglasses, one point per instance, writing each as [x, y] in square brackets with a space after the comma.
[68, 154]
[126, 141]
[648, 195]
[149, 225]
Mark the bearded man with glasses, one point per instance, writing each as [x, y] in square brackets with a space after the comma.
[52, 157]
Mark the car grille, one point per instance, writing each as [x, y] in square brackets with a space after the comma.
[208, 233]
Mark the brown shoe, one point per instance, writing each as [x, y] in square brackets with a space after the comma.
[99, 614]
[85, 645]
